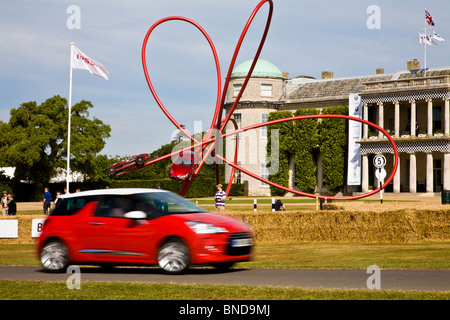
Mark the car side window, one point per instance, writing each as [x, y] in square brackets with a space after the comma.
[111, 206]
[69, 206]
[117, 206]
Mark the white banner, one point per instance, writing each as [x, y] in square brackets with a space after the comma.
[82, 61]
[354, 135]
[36, 227]
[9, 228]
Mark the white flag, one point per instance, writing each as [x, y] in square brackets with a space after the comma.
[82, 61]
[430, 40]
[421, 37]
[437, 37]
[424, 38]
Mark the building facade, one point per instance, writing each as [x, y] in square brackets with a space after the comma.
[411, 105]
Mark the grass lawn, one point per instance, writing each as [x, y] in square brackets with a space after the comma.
[92, 290]
[423, 255]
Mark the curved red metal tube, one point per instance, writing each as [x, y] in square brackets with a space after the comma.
[150, 84]
[389, 179]
[207, 143]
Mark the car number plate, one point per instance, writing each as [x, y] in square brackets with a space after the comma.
[241, 242]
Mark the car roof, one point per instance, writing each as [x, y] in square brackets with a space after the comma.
[113, 191]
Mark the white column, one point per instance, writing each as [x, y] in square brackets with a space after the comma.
[291, 171]
[430, 117]
[446, 117]
[412, 173]
[429, 172]
[365, 117]
[446, 184]
[365, 173]
[397, 119]
[397, 176]
[380, 118]
[413, 118]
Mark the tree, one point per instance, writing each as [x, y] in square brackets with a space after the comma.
[34, 141]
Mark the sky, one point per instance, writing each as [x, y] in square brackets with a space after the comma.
[349, 38]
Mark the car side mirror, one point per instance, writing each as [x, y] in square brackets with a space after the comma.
[136, 215]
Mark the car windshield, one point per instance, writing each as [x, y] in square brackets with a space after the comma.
[169, 203]
[184, 161]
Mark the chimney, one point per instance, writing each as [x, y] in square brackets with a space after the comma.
[380, 71]
[413, 64]
[327, 75]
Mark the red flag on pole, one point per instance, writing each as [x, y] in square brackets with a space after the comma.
[429, 18]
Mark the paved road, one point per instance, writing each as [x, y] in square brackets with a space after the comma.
[424, 280]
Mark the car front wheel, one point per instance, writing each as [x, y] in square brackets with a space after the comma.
[140, 161]
[173, 257]
[55, 256]
[111, 171]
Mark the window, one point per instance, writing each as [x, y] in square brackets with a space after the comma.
[264, 118]
[264, 174]
[113, 206]
[238, 118]
[437, 124]
[237, 174]
[266, 90]
[237, 87]
[69, 206]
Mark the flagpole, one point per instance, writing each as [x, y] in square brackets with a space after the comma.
[425, 45]
[69, 124]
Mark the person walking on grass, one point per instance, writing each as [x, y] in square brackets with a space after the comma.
[47, 201]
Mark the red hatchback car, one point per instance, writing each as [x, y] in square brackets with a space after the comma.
[184, 165]
[114, 227]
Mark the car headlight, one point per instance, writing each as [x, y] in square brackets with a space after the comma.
[205, 228]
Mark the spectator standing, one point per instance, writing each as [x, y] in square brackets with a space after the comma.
[58, 193]
[47, 201]
[220, 197]
[12, 208]
[5, 203]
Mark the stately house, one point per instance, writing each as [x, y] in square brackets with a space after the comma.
[412, 105]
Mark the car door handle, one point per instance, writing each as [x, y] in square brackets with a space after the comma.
[96, 223]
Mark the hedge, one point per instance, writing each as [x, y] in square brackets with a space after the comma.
[201, 187]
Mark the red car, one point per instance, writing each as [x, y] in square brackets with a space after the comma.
[114, 227]
[183, 166]
[137, 161]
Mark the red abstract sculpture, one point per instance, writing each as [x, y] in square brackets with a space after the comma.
[206, 145]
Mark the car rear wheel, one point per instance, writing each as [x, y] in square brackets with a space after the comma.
[173, 257]
[55, 256]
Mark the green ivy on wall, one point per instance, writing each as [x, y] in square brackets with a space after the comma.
[306, 133]
[305, 139]
[333, 147]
